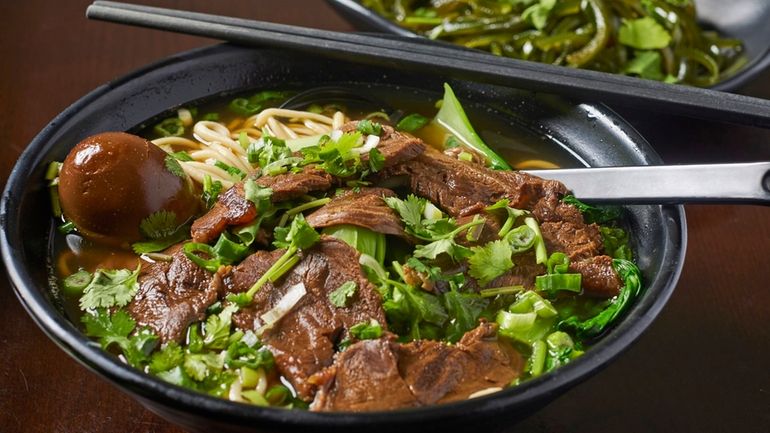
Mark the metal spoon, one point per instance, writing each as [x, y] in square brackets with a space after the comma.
[743, 183]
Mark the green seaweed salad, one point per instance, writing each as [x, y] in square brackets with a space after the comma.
[653, 39]
[550, 325]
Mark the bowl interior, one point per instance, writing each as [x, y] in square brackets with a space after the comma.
[743, 19]
[593, 135]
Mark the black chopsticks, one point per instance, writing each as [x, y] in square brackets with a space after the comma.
[456, 62]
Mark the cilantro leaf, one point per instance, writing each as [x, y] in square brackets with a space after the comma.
[161, 244]
[169, 356]
[464, 310]
[376, 160]
[410, 210]
[116, 329]
[159, 224]
[368, 127]
[340, 296]
[200, 365]
[216, 331]
[257, 194]
[173, 166]
[110, 288]
[442, 246]
[211, 190]
[300, 234]
[643, 34]
[412, 122]
[490, 261]
[366, 330]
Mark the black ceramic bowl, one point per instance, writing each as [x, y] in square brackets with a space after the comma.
[747, 20]
[593, 134]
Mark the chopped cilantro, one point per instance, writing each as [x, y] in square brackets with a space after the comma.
[366, 330]
[173, 166]
[211, 190]
[376, 160]
[216, 331]
[490, 261]
[110, 288]
[340, 296]
[158, 225]
[169, 356]
[368, 127]
[115, 329]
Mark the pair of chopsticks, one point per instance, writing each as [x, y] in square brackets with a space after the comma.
[423, 56]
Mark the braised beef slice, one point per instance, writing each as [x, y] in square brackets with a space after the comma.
[303, 341]
[523, 273]
[363, 207]
[459, 187]
[598, 276]
[232, 208]
[439, 373]
[395, 146]
[172, 295]
[578, 241]
[364, 377]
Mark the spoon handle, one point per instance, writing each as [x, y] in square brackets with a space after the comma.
[672, 184]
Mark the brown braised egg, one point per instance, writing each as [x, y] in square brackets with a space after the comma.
[111, 181]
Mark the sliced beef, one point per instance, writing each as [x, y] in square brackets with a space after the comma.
[460, 188]
[232, 208]
[578, 241]
[362, 207]
[365, 377]
[598, 276]
[172, 295]
[440, 373]
[304, 340]
[395, 146]
[523, 273]
[374, 375]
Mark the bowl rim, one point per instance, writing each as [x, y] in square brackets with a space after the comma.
[372, 20]
[146, 387]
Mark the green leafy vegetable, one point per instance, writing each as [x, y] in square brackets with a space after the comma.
[368, 127]
[340, 296]
[594, 214]
[452, 117]
[158, 225]
[412, 122]
[376, 160]
[490, 261]
[366, 330]
[643, 34]
[110, 288]
[116, 330]
[173, 166]
[463, 310]
[211, 190]
[594, 326]
[257, 194]
[365, 241]
[217, 328]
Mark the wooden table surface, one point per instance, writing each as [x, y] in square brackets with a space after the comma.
[703, 366]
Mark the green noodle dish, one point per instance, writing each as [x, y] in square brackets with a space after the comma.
[653, 39]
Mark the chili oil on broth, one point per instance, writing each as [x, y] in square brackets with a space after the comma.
[521, 147]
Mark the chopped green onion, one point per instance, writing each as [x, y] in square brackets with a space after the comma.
[53, 170]
[67, 227]
[553, 283]
[171, 127]
[507, 290]
[77, 282]
[537, 359]
[541, 255]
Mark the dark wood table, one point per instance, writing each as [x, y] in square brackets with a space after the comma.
[703, 366]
